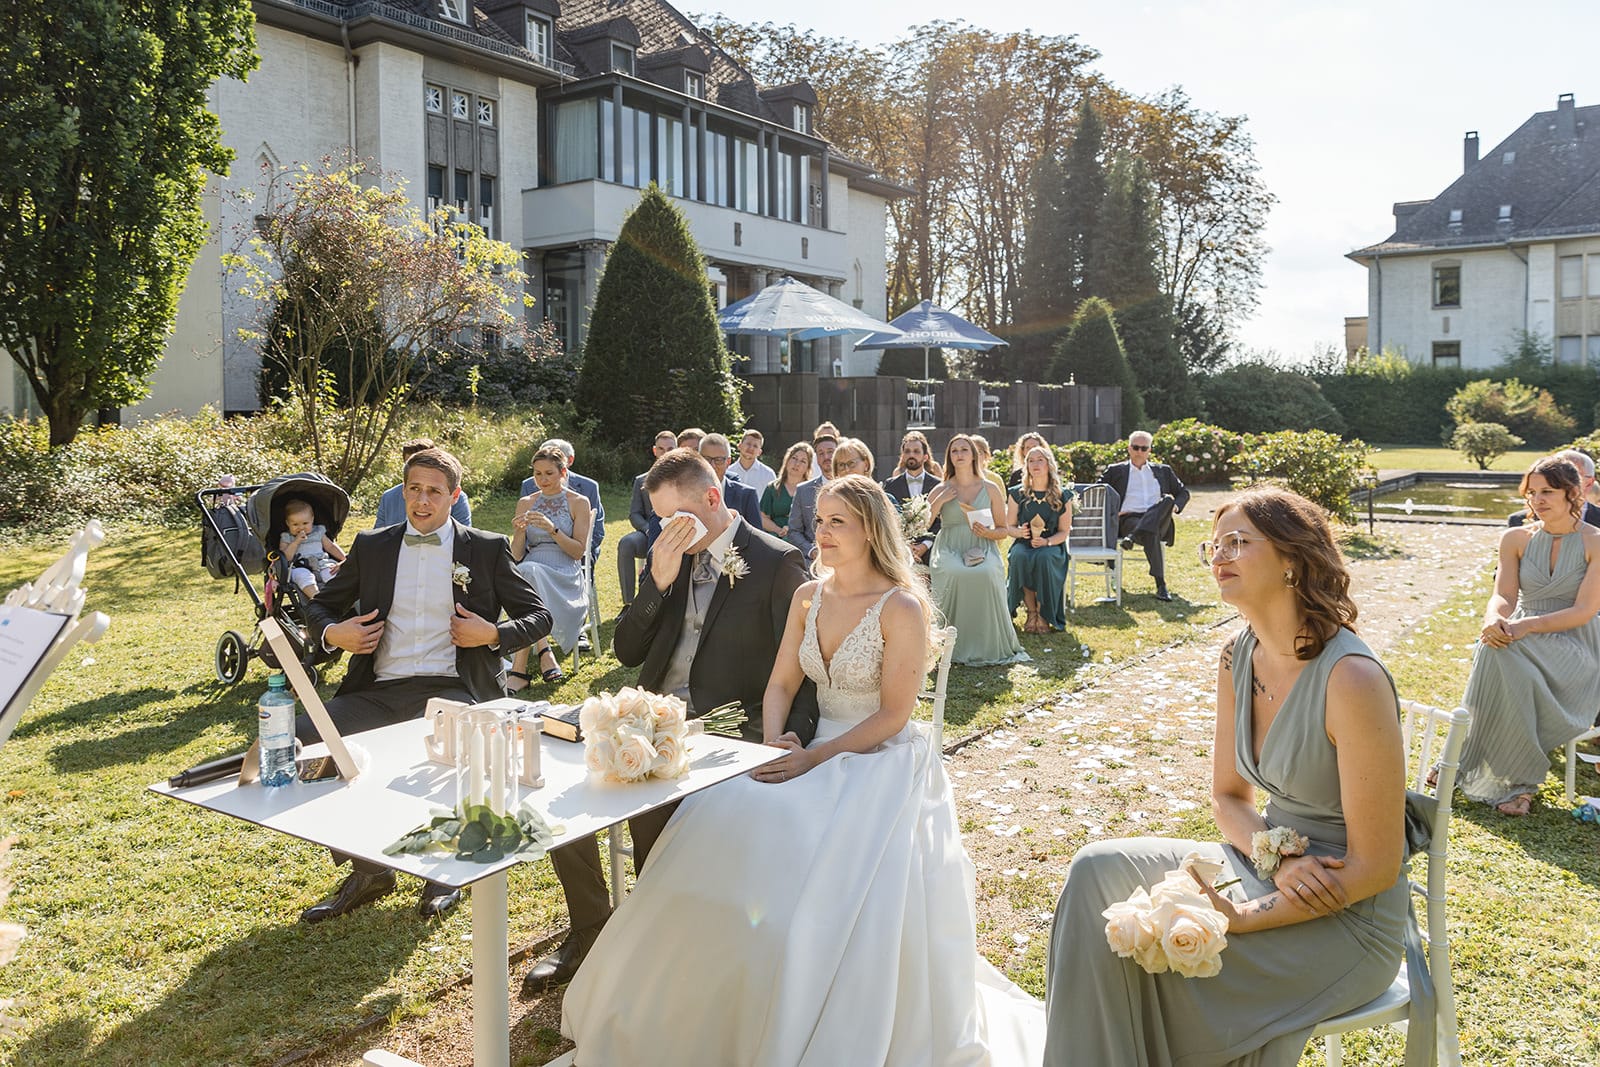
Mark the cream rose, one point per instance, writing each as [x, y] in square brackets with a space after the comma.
[635, 755]
[672, 758]
[598, 714]
[1194, 940]
[1205, 869]
[1126, 931]
[599, 754]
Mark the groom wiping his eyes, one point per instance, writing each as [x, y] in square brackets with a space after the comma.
[725, 592]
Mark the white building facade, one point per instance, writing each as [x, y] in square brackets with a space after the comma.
[510, 110]
[1512, 245]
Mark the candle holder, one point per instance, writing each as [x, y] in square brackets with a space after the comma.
[486, 751]
[530, 729]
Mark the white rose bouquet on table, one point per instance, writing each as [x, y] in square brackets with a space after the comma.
[634, 735]
[915, 518]
[1172, 925]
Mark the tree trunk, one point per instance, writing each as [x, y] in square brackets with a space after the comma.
[65, 417]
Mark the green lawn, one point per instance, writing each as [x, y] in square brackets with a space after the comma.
[1419, 458]
[161, 934]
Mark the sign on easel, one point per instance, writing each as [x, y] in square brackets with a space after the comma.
[26, 638]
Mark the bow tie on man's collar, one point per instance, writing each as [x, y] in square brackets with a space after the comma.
[423, 539]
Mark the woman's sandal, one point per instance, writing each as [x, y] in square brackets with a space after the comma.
[554, 674]
[513, 689]
[1517, 806]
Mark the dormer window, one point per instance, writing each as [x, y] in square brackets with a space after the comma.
[1455, 216]
[622, 58]
[454, 10]
[1505, 213]
[539, 37]
[802, 117]
[694, 84]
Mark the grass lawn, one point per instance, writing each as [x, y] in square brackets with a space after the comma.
[1420, 458]
[161, 934]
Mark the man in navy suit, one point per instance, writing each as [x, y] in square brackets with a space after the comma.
[914, 478]
[1151, 493]
[431, 592]
[741, 499]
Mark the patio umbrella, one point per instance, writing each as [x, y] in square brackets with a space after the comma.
[929, 326]
[789, 308]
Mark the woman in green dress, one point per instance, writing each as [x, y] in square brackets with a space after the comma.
[1039, 516]
[1306, 714]
[969, 582]
[778, 497]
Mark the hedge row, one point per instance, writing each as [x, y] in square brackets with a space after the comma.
[1408, 407]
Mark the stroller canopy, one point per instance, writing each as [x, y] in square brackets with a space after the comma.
[264, 510]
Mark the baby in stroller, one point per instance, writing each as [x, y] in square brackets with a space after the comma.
[313, 556]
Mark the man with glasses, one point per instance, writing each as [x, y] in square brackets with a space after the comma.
[742, 500]
[1151, 494]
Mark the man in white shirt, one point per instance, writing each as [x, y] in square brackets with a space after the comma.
[914, 479]
[433, 590]
[748, 470]
[1151, 493]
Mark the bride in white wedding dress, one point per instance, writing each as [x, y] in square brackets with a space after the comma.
[820, 911]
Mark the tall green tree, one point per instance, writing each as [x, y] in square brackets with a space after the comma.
[1127, 275]
[654, 354]
[1091, 354]
[106, 145]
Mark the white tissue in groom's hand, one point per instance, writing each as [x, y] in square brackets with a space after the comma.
[699, 526]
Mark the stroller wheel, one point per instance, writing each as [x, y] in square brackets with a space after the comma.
[232, 658]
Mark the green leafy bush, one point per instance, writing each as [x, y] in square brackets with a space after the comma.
[1082, 461]
[1589, 445]
[1525, 410]
[1197, 452]
[1384, 397]
[538, 372]
[1259, 398]
[1318, 465]
[1483, 442]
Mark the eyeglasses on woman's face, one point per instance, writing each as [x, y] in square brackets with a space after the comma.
[846, 465]
[1225, 549]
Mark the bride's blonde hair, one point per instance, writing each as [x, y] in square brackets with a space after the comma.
[887, 547]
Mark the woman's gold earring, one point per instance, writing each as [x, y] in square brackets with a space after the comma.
[1288, 578]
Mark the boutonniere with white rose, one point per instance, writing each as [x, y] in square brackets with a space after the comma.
[734, 566]
[461, 576]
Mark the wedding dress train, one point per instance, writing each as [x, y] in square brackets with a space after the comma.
[823, 921]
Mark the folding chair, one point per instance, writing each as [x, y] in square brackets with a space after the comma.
[1392, 1005]
[1092, 539]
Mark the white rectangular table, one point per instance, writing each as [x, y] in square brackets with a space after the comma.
[400, 790]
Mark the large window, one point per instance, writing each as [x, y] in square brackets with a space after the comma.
[461, 152]
[1569, 351]
[746, 175]
[669, 155]
[1447, 286]
[574, 141]
[719, 190]
[1447, 353]
[1571, 277]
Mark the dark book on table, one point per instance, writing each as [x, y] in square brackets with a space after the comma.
[562, 721]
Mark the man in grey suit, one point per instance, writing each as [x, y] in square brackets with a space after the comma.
[636, 545]
[803, 512]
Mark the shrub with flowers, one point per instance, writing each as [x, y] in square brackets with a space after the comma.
[1316, 464]
[1197, 452]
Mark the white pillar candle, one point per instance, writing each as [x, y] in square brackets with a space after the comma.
[498, 751]
[475, 768]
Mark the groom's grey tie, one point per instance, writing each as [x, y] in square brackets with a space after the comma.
[703, 570]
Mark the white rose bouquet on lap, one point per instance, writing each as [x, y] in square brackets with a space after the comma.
[915, 518]
[634, 735]
[1172, 925]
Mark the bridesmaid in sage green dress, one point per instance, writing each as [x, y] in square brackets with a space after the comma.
[965, 566]
[1036, 566]
[1306, 714]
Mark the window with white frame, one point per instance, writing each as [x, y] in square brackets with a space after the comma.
[694, 84]
[486, 204]
[435, 190]
[454, 10]
[1571, 277]
[1447, 353]
[460, 106]
[486, 112]
[539, 36]
[1447, 285]
[433, 99]
[802, 117]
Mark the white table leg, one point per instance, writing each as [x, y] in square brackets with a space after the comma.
[491, 979]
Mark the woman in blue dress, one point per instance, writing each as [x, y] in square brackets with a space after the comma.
[1039, 516]
[550, 537]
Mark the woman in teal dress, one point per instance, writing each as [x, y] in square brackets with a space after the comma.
[1535, 680]
[965, 566]
[1039, 516]
[1306, 714]
[778, 497]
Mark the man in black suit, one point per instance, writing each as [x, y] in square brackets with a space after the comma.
[1585, 465]
[914, 479]
[636, 545]
[717, 450]
[433, 590]
[1150, 494]
[688, 604]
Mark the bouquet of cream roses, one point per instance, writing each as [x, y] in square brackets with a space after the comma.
[1173, 925]
[634, 735]
[915, 518]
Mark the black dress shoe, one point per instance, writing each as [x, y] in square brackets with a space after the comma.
[436, 901]
[358, 889]
[1164, 596]
[558, 968]
[1126, 543]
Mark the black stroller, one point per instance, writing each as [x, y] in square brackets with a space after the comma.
[239, 532]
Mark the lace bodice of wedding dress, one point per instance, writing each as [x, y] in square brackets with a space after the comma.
[847, 688]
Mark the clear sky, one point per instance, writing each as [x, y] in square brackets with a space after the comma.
[1353, 105]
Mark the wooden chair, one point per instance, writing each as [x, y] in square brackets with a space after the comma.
[1092, 540]
[1393, 1004]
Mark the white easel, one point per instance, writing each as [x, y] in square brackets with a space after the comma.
[58, 590]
